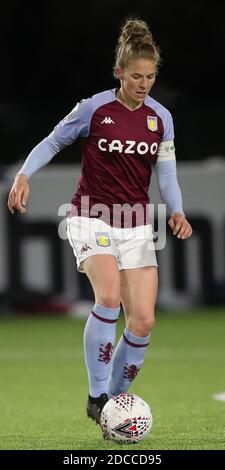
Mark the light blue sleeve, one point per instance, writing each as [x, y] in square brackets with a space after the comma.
[75, 124]
[169, 189]
[165, 116]
[168, 127]
[40, 155]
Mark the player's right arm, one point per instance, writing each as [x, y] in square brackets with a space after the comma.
[18, 195]
[65, 133]
[38, 157]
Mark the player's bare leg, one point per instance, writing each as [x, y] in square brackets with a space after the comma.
[138, 292]
[100, 329]
[103, 274]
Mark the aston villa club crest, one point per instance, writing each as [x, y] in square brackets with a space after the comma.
[102, 239]
[152, 123]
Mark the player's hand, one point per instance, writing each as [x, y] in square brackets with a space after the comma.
[18, 195]
[180, 226]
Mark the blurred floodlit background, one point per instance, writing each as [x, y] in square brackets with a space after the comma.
[54, 56]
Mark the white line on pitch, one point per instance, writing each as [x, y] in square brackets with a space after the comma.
[219, 396]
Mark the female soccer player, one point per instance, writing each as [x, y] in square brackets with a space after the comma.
[125, 133]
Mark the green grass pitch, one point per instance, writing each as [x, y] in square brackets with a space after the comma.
[43, 380]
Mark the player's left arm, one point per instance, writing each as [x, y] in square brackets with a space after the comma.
[169, 189]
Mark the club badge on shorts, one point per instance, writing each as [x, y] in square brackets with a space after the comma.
[152, 123]
[102, 239]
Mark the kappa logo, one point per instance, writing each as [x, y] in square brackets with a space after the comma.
[84, 249]
[107, 120]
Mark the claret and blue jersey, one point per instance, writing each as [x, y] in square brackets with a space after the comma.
[119, 147]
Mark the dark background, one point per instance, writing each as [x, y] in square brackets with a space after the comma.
[54, 54]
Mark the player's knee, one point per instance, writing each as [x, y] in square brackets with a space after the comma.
[145, 326]
[109, 301]
[110, 297]
[150, 324]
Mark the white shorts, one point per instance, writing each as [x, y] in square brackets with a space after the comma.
[132, 247]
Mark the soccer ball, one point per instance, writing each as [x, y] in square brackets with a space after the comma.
[126, 418]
